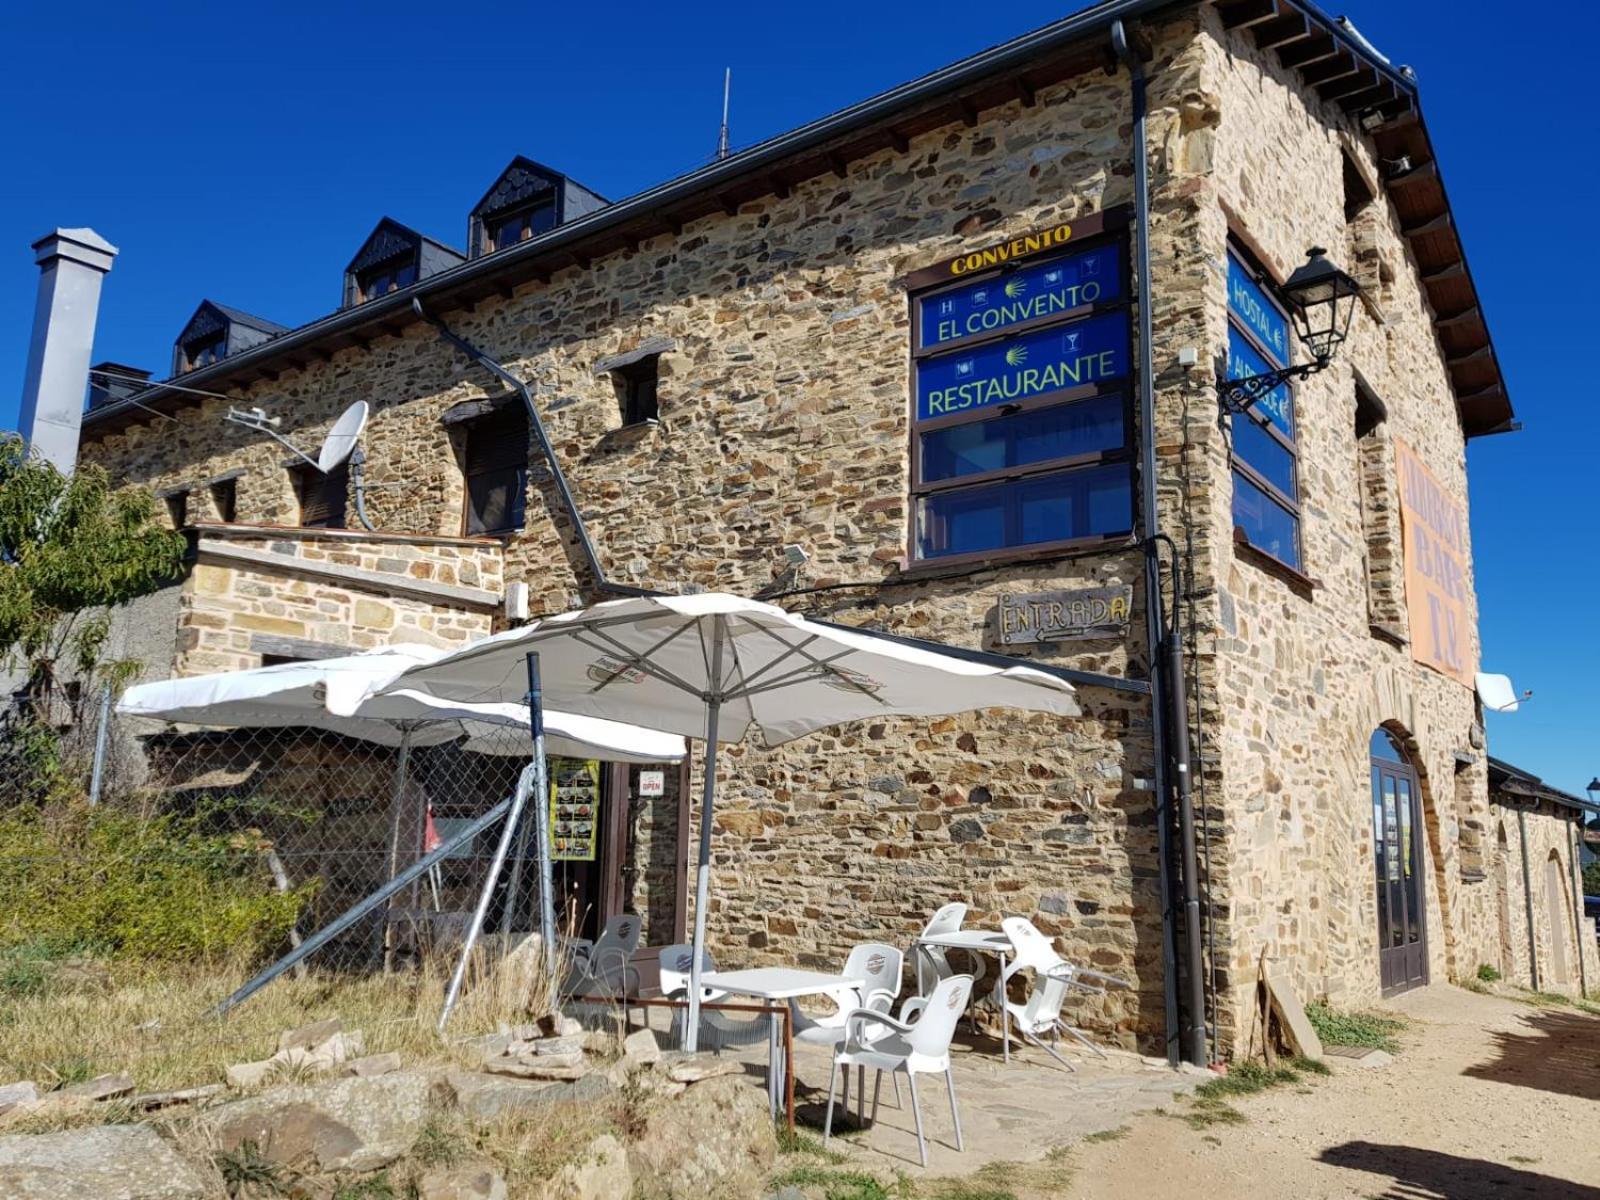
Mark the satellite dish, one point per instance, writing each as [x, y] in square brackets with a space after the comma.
[341, 441]
[1497, 693]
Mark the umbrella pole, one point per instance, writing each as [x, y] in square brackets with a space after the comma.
[396, 808]
[541, 820]
[702, 879]
[513, 823]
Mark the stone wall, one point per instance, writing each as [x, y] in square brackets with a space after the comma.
[255, 591]
[1548, 829]
[1302, 678]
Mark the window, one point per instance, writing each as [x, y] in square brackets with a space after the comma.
[636, 389]
[387, 277]
[495, 462]
[321, 497]
[177, 508]
[1266, 492]
[1020, 430]
[507, 229]
[202, 352]
[224, 499]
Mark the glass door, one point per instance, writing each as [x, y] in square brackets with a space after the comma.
[1397, 854]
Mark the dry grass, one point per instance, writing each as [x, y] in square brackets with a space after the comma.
[150, 1022]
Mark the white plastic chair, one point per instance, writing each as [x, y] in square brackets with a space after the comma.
[932, 958]
[1053, 978]
[605, 967]
[917, 1043]
[717, 1029]
[876, 973]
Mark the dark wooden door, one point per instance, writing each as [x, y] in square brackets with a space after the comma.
[1397, 842]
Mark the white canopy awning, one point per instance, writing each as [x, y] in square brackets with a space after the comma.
[339, 695]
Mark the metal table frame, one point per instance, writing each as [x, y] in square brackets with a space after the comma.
[976, 942]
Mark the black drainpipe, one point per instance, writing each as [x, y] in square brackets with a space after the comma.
[1168, 708]
[596, 572]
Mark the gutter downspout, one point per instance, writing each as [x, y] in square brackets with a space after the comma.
[1527, 898]
[591, 558]
[1155, 622]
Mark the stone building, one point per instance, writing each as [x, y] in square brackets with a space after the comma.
[889, 368]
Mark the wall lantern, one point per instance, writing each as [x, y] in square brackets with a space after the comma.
[1321, 300]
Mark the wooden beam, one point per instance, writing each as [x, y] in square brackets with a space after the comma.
[1399, 121]
[1484, 351]
[728, 203]
[1383, 93]
[1240, 14]
[1348, 85]
[1290, 27]
[1025, 91]
[1418, 174]
[1431, 225]
[968, 111]
[507, 292]
[841, 168]
[1308, 50]
[1445, 274]
[1336, 67]
[778, 186]
[1465, 317]
[899, 141]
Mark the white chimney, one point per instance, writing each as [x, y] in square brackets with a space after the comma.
[72, 262]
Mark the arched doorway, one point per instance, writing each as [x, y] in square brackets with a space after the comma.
[1397, 852]
[1557, 916]
[1502, 896]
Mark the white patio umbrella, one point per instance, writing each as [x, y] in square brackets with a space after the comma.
[714, 665]
[341, 695]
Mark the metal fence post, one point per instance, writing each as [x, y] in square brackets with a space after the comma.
[102, 739]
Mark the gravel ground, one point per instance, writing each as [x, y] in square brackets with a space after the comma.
[1489, 1098]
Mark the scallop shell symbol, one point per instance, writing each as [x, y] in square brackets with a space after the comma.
[1015, 286]
[1016, 356]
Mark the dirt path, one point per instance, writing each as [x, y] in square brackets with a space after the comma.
[1490, 1098]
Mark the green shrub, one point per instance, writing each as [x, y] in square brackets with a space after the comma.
[112, 883]
[1488, 974]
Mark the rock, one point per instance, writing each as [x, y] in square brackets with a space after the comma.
[558, 1025]
[151, 1101]
[703, 1067]
[50, 1106]
[105, 1162]
[548, 1045]
[478, 1180]
[716, 1139]
[245, 1076]
[492, 1046]
[641, 1047]
[599, 1041]
[599, 1173]
[1371, 1060]
[374, 1065]
[352, 1124]
[310, 1035]
[101, 1087]
[534, 1066]
[24, 1091]
[483, 1097]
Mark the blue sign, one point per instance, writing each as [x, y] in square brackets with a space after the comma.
[1043, 290]
[1244, 361]
[1094, 350]
[1252, 308]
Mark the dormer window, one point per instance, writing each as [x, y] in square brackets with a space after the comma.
[524, 202]
[387, 277]
[520, 225]
[216, 331]
[394, 257]
[205, 351]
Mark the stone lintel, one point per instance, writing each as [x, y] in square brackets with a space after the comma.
[382, 583]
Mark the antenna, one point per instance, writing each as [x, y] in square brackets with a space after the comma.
[722, 135]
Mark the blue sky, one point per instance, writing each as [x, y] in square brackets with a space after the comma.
[242, 153]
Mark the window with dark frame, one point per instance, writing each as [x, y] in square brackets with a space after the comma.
[1264, 454]
[224, 499]
[495, 463]
[636, 389]
[1021, 425]
[518, 225]
[387, 277]
[202, 352]
[321, 497]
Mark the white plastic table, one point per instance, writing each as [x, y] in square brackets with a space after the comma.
[975, 941]
[775, 983]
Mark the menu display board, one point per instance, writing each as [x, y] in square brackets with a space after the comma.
[574, 808]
